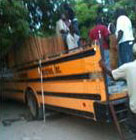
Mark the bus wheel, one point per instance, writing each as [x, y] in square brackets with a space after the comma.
[33, 106]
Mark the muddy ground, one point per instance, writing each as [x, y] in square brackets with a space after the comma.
[56, 127]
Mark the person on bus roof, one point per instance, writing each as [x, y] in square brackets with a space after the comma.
[61, 27]
[127, 72]
[72, 39]
[71, 15]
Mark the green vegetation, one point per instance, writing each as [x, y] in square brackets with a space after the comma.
[22, 18]
[87, 11]
[14, 26]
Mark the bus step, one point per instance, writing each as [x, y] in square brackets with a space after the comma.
[121, 111]
[123, 120]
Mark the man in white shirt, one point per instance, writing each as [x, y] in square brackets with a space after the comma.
[61, 27]
[72, 39]
[124, 33]
[127, 72]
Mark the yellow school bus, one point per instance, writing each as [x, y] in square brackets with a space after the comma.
[72, 83]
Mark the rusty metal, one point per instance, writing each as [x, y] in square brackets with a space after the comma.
[115, 119]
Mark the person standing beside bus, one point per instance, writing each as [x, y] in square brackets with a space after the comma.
[96, 32]
[127, 72]
[113, 47]
[100, 33]
[124, 33]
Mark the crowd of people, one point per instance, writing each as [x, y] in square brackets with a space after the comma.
[114, 40]
[119, 53]
[67, 27]
[117, 40]
[117, 46]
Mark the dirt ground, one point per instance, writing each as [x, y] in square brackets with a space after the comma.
[56, 127]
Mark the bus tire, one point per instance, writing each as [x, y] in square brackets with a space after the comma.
[35, 111]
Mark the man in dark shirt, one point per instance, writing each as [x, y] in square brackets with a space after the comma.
[100, 33]
[71, 15]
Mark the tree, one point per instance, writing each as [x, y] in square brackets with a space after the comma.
[14, 26]
[86, 12]
[21, 18]
[44, 14]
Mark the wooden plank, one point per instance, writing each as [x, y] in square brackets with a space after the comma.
[35, 48]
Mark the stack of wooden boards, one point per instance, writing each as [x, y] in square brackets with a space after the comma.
[36, 48]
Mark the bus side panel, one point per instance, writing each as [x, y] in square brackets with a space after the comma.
[14, 90]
